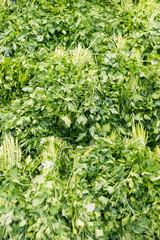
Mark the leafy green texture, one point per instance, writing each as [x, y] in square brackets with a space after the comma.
[79, 119]
[106, 191]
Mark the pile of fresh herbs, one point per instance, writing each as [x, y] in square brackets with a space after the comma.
[80, 120]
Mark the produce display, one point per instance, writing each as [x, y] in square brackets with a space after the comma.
[80, 120]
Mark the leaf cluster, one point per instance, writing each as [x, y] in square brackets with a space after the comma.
[79, 120]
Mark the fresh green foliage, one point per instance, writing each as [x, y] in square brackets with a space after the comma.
[109, 191]
[80, 119]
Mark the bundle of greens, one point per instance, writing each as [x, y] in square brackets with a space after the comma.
[79, 119]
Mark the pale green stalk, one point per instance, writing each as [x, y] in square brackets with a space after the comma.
[10, 153]
[49, 157]
[157, 152]
[5, 2]
[138, 133]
